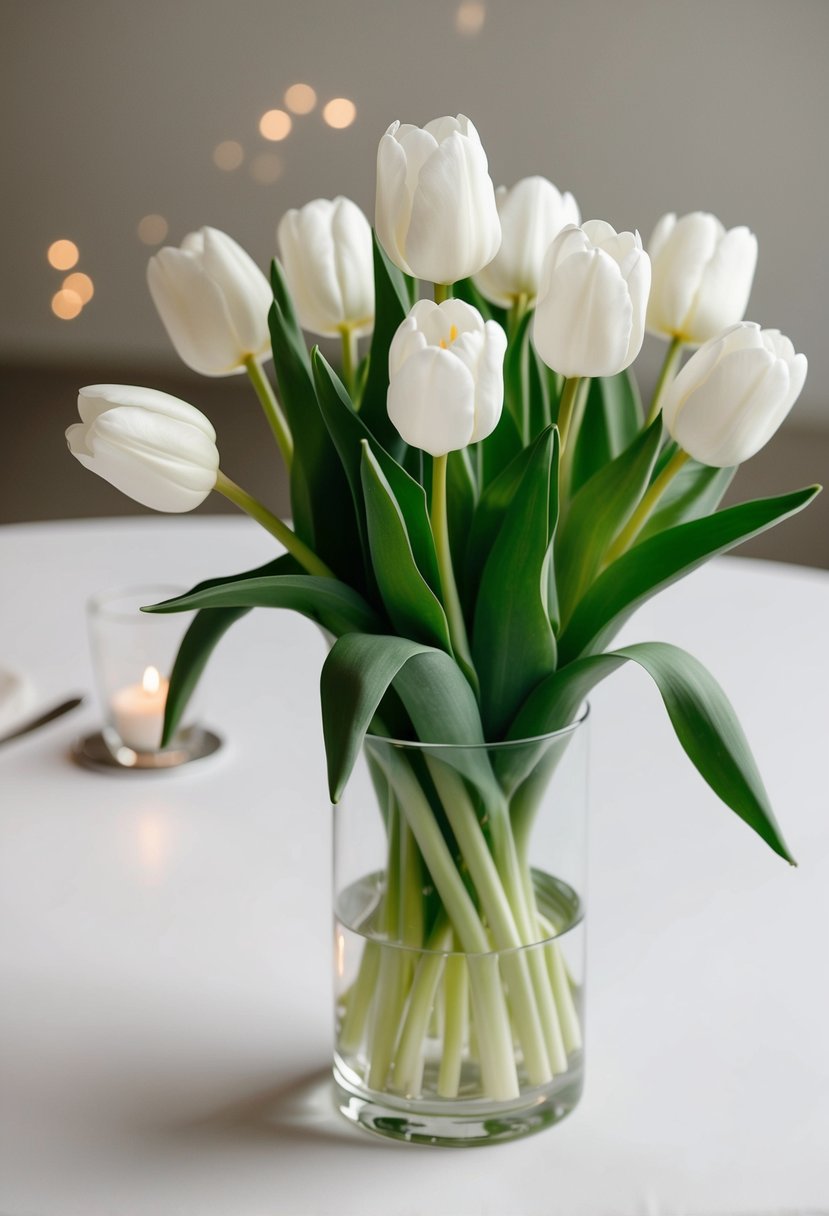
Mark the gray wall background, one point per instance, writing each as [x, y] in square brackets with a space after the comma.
[112, 110]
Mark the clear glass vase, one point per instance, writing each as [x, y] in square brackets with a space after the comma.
[459, 877]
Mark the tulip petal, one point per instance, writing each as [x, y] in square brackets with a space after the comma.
[583, 323]
[722, 296]
[454, 229]
[194, 313]
[678, 271]
[246, 291]
[97, 399]
[431, 402]
[489, 382]
[393, 201]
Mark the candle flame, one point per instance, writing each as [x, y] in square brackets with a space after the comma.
[151, 680]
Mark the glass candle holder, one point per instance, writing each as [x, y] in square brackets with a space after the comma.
[132, 657]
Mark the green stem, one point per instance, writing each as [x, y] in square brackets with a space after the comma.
[667, 373]
[566, 407]
[516, 314]
[348, 340]
[451, 599]
[456, 1024]
[273, 524]
[274, 415]
[640, 516]
[443, 291]
[567, 454]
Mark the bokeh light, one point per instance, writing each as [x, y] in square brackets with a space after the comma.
[152, 229]
[470, 18]
[339, 113]
[228, 155]
[63, 254]
[300, 98]
[66, 304]
[275, 124]
[266, 168]
[81, 284]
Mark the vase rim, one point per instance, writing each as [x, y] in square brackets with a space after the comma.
[501, 745]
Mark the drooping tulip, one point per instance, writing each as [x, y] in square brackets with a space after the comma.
[733, 394]
[436, 216]
[326, 250]
[532, 213]
[590, 314]
[446, 381]
[214, 302]
[151, 446]
[702, 276]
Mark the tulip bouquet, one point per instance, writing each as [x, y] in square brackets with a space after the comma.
[479, 503]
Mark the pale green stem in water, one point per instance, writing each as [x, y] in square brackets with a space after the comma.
[451, 599]
[566, 407]
[348, 340]
[273, 524]
[667, 373]
[640, 516]
[443, 291]
[456, 989]
[277, 420]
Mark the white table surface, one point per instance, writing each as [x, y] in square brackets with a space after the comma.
[165, 1012]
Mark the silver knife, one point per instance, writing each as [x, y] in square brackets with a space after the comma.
[49, 716]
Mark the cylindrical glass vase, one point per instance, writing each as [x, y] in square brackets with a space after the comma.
[459, 878]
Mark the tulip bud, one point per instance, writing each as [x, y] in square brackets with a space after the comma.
[532, 213]
[446, 382]
[590, 314]
[733, 394]
[213, 300]
[702, 276]
[155, 448]
[327, 254]
[436, 216]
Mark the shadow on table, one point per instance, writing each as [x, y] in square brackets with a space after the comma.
[301, 1110]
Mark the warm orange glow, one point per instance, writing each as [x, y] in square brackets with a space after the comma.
[339, 113]
[81, 284]
[266, 168]
[152, 229]
[470, 18]
[300, 98]
[63, 255]
[275, 124]
[66, 304]
[228, 155]
[151, 680]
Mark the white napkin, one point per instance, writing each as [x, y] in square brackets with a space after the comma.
[17, 698]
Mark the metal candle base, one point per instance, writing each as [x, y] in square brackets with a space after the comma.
[95, 753]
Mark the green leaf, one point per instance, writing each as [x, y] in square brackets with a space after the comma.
[349, 431]
[413, 607]
[355, 678]
[321, 503]
[598, 512]
[612, 419]
[661, 560]
[201, 638]
[538, 388]
[461, 493]
[513, 645]
[696, 491]
[702, 717]
[516, 390]
[489, 516]
[392, 304]
[332, 604]
[500, 448]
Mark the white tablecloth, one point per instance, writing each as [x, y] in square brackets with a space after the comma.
[165, 1017]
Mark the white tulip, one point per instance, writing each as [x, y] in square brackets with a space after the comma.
[532, 213]
[214, 302]
[436, 216]
[155, 448]
[702, 276]
[446, 381]
[590, 314]
[733, 394]
[326, 250]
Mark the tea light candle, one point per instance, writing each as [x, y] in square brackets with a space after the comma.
[138, 711]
